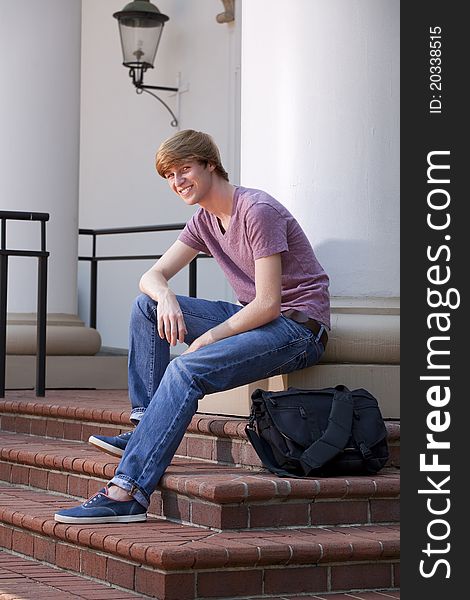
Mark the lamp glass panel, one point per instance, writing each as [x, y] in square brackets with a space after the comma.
[139, 40]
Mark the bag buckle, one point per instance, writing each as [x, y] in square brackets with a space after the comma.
[320, 333]
[252, 420]
[366, 453]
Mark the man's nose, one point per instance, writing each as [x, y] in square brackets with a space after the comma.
[179, 178]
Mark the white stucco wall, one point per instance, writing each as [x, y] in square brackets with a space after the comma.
[121, 131]
[320, 129]
[39, 143]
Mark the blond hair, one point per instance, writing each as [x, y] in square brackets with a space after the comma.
[188, 145]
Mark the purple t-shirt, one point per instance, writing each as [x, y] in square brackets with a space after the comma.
[261, 226]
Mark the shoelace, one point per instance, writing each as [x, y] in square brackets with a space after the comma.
[91, 500]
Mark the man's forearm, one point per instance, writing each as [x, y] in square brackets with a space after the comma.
[251, 316]
[154, 284]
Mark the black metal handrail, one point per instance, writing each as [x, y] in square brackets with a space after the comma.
[94, 259]
[42, 256]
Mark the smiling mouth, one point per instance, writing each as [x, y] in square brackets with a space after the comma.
[185, 191]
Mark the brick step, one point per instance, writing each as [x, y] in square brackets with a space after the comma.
[24, 578]
[207, 495]
[77, 414]
[173, 562]
[27, 578]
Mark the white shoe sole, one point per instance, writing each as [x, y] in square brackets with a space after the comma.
[90, 520]
[105, 447]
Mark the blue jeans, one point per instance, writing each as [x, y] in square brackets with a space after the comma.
[164, 393]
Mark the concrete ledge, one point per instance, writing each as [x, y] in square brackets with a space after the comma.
[364, 330]
[68, 372]
[66, 335]
[382, 381]
[363, 338]
[237, 402]
[62, 319]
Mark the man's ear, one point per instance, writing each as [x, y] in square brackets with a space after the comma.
[210, 166]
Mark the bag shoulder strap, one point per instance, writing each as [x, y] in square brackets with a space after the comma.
[360, 440]
[336, 435]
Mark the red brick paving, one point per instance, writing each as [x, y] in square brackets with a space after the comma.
[268, 558]
[23, 579]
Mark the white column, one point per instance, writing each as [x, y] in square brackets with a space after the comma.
[39, 158]
[320, 129]
[39, 143]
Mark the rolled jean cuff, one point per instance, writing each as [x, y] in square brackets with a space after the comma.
[130, 487]
[137, 414]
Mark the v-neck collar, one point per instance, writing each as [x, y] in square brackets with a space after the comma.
[218, 224]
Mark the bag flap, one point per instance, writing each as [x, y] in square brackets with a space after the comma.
[293, 423]
[300, 415]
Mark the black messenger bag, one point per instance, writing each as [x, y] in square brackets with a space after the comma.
[318, 433]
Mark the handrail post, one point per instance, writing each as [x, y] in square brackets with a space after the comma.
[42, 257]
[93, 284]
[41, 318]
[193, 278]
[3, 309]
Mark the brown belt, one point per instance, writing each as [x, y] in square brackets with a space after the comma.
[314, 326]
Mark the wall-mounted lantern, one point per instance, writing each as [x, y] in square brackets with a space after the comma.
[140, 27]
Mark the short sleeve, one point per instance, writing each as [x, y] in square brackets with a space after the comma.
[267, 230]
[190, 235]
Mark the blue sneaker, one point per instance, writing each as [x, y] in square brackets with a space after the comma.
[114, 445]
[100, 508]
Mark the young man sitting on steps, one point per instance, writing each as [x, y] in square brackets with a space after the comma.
[280, 325]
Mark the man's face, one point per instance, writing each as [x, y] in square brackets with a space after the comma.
[191, 180]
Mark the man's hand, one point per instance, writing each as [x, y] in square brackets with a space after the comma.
[170, 321]
[204, 340]
[154, 283]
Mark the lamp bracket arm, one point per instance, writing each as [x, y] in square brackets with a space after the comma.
[144, 88]
[156, 87]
